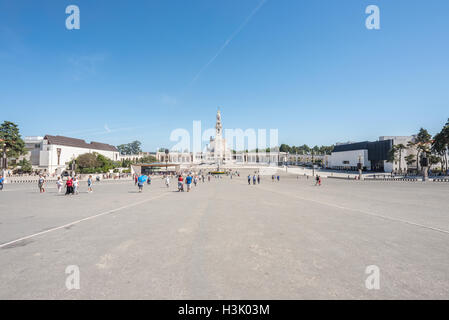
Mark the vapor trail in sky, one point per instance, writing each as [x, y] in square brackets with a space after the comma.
[226, 43]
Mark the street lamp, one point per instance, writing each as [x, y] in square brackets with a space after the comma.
[313, 166]
[4, 161]
[425, 165]
[166, 160]
[360, 167]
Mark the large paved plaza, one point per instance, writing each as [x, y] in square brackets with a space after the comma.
[227, 240]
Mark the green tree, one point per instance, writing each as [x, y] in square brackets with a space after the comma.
[422, 143]
[130, 148]
[410, 159]
[284, 148]
[147, 159]
[88, 160]
[395, 154]
[440, 145]
[11, 142]
[105, 164]
[25, 166]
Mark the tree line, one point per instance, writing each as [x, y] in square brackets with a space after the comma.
[435, 148]
[305, 149]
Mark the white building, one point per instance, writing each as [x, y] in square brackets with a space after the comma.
[32, 145]
[218, 152]
[373, 155]
[52, 153]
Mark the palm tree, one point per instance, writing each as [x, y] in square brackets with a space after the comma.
[400, 147]
[422, 143]
[411, 158]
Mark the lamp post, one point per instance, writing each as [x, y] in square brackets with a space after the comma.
[166, 160]
[425, 166]
[313, 166]
[4, 161]
[73, 165]
[360, 167]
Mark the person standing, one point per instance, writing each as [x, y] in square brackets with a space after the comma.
[208, 178]
[59, 185]
[89, 184]
[41, 184]
[195, 180]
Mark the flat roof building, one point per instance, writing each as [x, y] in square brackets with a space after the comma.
[374, 156]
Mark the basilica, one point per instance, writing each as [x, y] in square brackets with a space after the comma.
[218, 153]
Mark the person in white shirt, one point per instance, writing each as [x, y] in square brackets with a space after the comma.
[59, 185]
[76, 184]
[167, 181]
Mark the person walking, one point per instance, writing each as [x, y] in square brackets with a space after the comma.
[140, 181]
[89, 184]
[59, 185]
[2, 180]
[149, 180]
[76, 185]
[317, 179]
[249, 179]
[189, 182]
[254, 179]
[278, 178]
[167, 181]
[195, 180]
[258, 179]
[272, 178]
[69, 186]
[180, 184]
[41, 184]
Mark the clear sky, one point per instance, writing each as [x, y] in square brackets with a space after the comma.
[139, 69]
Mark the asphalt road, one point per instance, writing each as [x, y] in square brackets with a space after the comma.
[227, 240]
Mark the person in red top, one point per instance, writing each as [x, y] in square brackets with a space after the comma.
[180, 184]
[69, 185]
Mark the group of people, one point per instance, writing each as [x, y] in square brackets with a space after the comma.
[274, 178]
[72, 185]
[189, 180]
[254, 179]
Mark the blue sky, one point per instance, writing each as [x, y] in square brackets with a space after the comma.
[139, 69]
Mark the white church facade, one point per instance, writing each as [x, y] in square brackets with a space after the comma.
[217, 152]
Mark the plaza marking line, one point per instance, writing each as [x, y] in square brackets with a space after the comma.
[361, 211]
[81, 220]
[33, 187]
